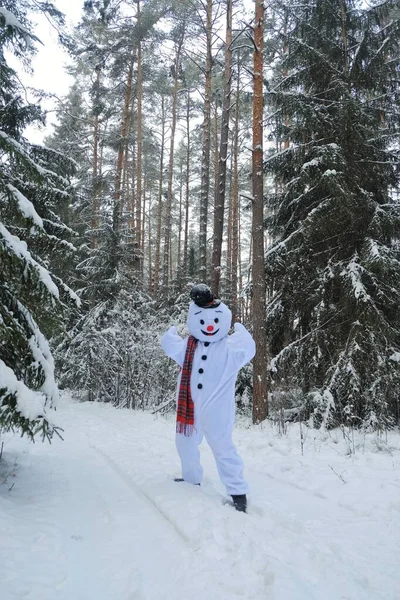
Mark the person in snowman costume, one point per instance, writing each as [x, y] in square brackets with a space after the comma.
[210, 360]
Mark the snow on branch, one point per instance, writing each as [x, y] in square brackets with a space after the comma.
[64, 243]
[287, 349]
[379, 252]
[60, 226]
[10, 20]
[282, 245]
[41, 353]
[70, 292]
[56, 152]
[43, 361]
[315, 162]
[20, 248]
[274, 156]
[316, 52]
[380, 49]
[30, 404]
[17, 147]
[343, 364]
[25, 206]
[353, 271]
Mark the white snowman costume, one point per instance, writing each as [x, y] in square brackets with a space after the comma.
[216, 362]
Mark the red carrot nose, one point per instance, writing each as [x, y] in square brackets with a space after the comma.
[210, 328]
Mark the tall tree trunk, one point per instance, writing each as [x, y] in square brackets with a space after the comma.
[171, 266]
[143, 231]
[149, 242]
[168, 208]
[240, 269]
[132, 197]
[138, 244]
[132, 204]
[260, 399]
[157, 260]
[180, 222]
[125, 189]
[285, 73]
[228, 276]
[223, 155]
[95, 220]
[235, 206]
[206, 147]
[215, 147]
[343, 14]
[122, 146]
[187, 189]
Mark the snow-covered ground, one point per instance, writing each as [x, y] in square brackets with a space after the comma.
[98, 517]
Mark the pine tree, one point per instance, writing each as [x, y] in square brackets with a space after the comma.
[334, 269]
[220, 183]
[34, 191]
[72, 137]
[260, 398]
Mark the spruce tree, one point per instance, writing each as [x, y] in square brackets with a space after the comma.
[34, 191]
[334, 269]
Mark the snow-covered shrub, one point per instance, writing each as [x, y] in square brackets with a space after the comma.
[244, 389]
[113, 354]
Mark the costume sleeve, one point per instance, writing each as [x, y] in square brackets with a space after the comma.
[174, 346]
[241, 345]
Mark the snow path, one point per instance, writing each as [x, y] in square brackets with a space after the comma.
[98, 517]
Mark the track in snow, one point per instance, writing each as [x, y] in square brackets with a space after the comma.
[98, 517]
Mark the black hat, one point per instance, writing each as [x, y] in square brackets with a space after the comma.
[202, 295]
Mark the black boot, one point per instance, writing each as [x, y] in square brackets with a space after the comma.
[240, 502]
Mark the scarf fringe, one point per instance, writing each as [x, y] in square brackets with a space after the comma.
[185, 429]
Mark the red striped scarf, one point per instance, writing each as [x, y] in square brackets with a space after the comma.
[185, 410]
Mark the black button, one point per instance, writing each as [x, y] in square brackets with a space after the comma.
[199, 385]
[206, 343]
[201, 370]
[204, 357]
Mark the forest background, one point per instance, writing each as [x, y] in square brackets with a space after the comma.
[252, 147]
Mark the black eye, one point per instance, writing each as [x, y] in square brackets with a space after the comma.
[201, 322]
[216, 320]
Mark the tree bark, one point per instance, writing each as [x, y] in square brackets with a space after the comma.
[206, 148]
[125, 188]
[95, 192]
[157, 259]
[260, 399]
[222, 159]
[235, 207]
[228, 269]
[132, 200]
[149, 242]
[168, 208]
[187, 186]
[143, 232]
[180, 223]
[139, 123]
[122, 146]
[343, 15]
